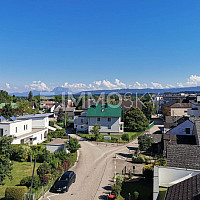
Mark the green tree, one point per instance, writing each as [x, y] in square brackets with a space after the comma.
[72, 145]
[23, 107]
[5, 163]
[30, 96]
[61, 116]
[4, 97]
[148, 109]
[7, 111]
[95, 131]
[144, 142]
[58, 98]
[135, 120]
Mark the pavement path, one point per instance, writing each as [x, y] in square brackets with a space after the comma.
[95, 171]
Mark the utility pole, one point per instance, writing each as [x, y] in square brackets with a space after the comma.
[32, 179]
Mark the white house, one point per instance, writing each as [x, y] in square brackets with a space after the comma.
[106, 116]
[29, 129]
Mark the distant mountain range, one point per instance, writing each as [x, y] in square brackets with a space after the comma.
[60, 90]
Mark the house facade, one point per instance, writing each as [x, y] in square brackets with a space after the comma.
[106, 116]
[28, 129]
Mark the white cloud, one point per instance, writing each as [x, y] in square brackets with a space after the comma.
[8, 86]
[120, 84]
[37, 85]
[193, 80]
[138, 85]
[157, 85]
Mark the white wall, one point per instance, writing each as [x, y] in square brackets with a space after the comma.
[103, 123]
[40, 122]
[10, 128]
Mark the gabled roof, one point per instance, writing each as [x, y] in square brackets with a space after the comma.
[183, 156]
[35, 116]
[104, 110]
[188, 189]
[175, 104]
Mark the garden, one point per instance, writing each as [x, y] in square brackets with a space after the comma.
[49, 166]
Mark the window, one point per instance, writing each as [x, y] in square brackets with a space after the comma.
[121, 127]
[41, 136]
[109, 119]
[98, 119]
[187, 130]
[81, 120]
[109, 126]
[16, 130]
[26, 126]
[1, 132]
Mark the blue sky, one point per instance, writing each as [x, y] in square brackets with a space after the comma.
[119, 43]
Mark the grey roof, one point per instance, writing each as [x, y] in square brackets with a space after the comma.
[127, 104]
[183, 156]
[188, 189]
[35, 116]
[57, 142]
[68, 109]
[175, 104]
[156, 137]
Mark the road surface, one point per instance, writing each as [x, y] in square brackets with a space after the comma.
[95, 171]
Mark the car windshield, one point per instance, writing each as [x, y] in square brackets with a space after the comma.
[64, 178]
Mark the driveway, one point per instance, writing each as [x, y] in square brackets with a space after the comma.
[95, 171]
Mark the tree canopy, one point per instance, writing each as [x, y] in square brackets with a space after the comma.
[135, 120]
[7, 111]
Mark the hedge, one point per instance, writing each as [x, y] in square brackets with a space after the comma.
[15, 192]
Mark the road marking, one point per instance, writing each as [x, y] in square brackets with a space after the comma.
[52, 196]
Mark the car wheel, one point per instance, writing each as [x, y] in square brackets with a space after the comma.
[74, 180]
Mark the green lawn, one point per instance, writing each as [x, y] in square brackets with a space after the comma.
[144, 188]
[20, 170]
[132, 135]
[162, 192]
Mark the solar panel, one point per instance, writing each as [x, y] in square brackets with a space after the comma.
[2, 118]
[13, 118]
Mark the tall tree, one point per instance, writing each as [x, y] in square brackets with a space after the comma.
[135, 120]
[7, 111]
[5, 163]
[95, 131]
[61, 116]
[30, 96]
[4, 97]
[23, 107]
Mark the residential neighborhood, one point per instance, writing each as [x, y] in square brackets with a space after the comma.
[99, 100]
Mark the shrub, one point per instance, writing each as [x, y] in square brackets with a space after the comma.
[116, 189]
[73, 145]
[44, 156]
[51, 123]
[57, 134]
[125, 137]
[141, 159]
[43, 169]
[148, 171]
[55, 162]
[20, 153]
[62, 155]
[144, 142]
[27, 181]
[161, 162]
[136, 195]
[119, 179]
[15, 192]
